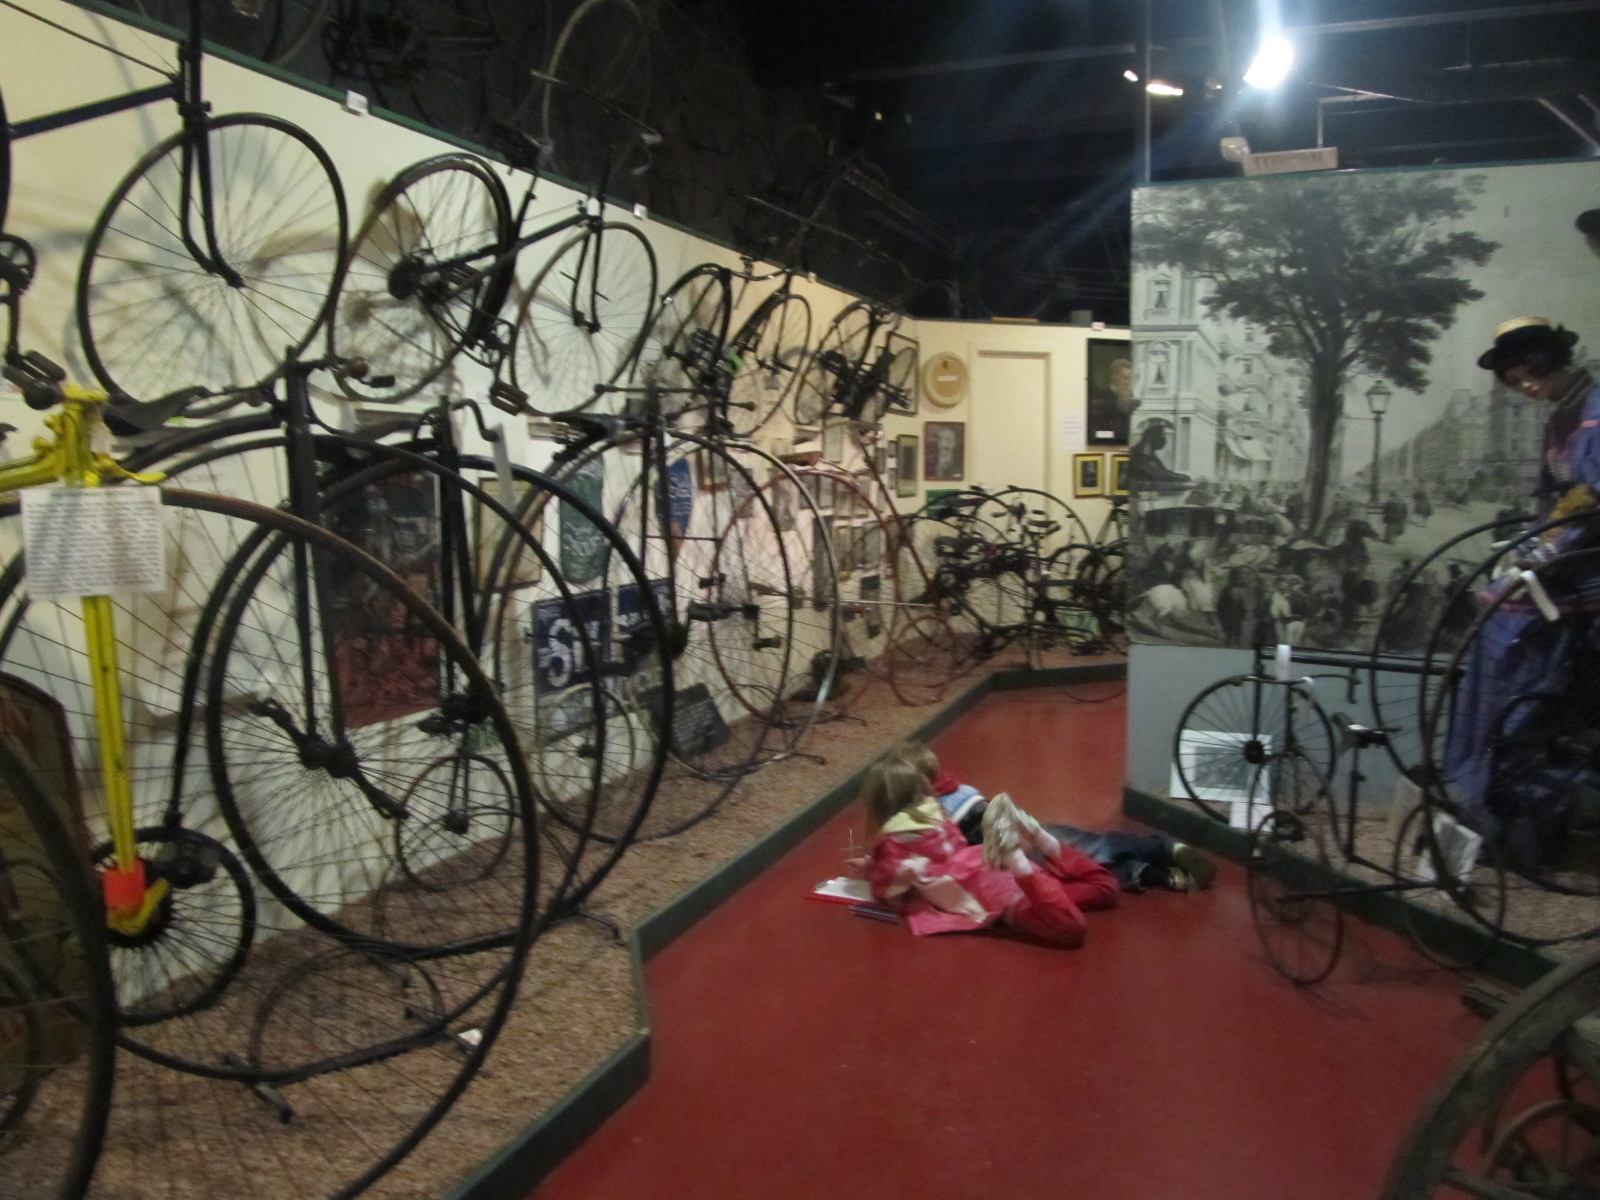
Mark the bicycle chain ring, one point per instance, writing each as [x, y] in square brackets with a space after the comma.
[18, 266]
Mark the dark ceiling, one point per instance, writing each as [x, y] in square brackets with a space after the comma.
[951, 157]
[1009, 126]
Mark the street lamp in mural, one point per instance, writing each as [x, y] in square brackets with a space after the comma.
[1377, 404]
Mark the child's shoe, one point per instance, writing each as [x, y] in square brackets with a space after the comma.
[1002, 837]
[1200, 869]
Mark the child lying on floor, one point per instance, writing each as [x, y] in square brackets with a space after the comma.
[1020, 876]
[1138, 860]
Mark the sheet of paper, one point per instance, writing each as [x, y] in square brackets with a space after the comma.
[1073, 430]
[94, 541]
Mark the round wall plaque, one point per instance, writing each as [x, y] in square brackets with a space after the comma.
[944, 380]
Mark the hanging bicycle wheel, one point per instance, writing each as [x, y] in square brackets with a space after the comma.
[684, 343]
[269, 30]
[584, 317]
[836, 365]
[57, 1013]
[1238, 725]
[155, 320]
[1290, 875]
[419, 279]
[1455, 913]
[597, 86]
[1518, 1114]
[767, 357]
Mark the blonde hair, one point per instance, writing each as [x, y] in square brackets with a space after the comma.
[920, 757]
[891, 784]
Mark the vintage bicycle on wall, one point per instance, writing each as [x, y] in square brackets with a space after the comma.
[239, 652]
[192, 249]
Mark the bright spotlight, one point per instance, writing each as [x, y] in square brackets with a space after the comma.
[1272, 62]
[1131, 75]
[1157, 87]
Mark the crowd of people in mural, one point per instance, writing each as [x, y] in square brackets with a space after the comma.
[1241, 564]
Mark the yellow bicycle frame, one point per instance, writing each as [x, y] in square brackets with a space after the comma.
[72, 457]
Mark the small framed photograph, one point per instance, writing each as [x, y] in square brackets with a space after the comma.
[906, 459]
[712, 470]
[1088, 475]
[833, 441]
[944, 451]
[1119, 475]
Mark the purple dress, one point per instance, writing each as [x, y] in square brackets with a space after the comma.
[1519, 721]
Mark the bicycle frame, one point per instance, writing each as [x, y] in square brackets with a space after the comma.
[184, 88]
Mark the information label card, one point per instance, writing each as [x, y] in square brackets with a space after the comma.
[93, 541]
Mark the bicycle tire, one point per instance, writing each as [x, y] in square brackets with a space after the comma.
[1290, 874]
[1426, 912]
[1399, 705]
[5, 164]
[683, 345]
[54, 981]
[1445, 1147]
[594, 790]
[584, 317]
[165, 309]
[271, 31]
[395, 311]
[721, 741]
[766, 357]
[1237, 725]
[836, 364]
[1508, 743]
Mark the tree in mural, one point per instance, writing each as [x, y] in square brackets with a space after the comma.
[1344, 275]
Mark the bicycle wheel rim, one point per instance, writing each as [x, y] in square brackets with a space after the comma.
[396, 310]
[770, 352]
[154, 321]
[583, 319]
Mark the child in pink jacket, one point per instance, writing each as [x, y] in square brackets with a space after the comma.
[1020, 876]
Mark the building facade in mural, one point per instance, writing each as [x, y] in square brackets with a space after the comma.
[1310, 422]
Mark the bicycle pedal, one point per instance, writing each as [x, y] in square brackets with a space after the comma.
[508, 398]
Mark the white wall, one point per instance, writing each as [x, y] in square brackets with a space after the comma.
[61, 179]
[1017, 433]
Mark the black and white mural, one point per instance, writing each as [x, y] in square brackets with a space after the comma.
[1310, 419]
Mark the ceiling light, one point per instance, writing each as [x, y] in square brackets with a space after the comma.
[1157, 88]
[1131, 75]
[1272, 62]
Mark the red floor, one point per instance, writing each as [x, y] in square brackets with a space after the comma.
[802, 1052]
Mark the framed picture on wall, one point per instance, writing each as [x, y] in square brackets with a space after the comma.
[1088, 475]
[712, 472]
[833, 441]
[1119, 475]
[905, 454]
[944, 450]
[1109, 388]
[900, 388]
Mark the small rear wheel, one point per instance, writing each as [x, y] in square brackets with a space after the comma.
[1291, 880]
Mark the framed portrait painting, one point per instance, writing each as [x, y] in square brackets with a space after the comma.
[944, 451]
[1110, 391]
[1088, 475]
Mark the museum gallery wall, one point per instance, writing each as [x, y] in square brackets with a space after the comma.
[1310, 419]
